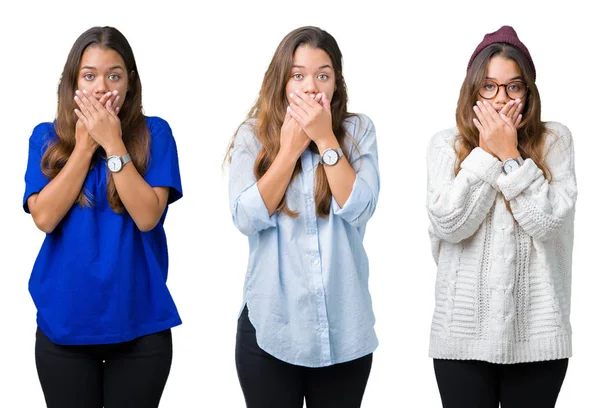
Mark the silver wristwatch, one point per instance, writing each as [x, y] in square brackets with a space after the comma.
[331, 156]
[510, 165]
[116, 163]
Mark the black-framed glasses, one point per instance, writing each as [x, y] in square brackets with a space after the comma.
[514, 89]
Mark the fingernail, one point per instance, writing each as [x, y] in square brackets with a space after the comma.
[297, 91]
[78, 92]
[85, 92]
[75, 97]
[288, 108]
[292, 95]
[485, 102]
[478, 102]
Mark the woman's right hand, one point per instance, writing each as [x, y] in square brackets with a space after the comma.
[83, 140]
[293, 140]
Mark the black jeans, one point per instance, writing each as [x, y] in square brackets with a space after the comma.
[271, 383]
[123, 375]
[478, 384]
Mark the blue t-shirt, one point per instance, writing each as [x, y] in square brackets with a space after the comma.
[98, 279]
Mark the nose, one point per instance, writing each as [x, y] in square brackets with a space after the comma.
[502, 95]
[101, 87]
[310, 86]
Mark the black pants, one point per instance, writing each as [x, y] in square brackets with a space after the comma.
[123, 375]
[478, 384]
[271, 383]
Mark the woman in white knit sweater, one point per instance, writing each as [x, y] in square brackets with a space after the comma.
[501, 198]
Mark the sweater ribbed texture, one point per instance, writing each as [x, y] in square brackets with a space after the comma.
[503, 287]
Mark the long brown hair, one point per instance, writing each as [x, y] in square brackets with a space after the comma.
[270, 109]
[133, 123]
[531, 130]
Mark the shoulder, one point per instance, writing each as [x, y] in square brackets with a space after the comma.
[42, 134]
[157, 125]
[444, 140]
[359, 125]
[245, 135]
[557, 132]
[161, 135]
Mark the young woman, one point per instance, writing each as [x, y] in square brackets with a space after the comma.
[98, 182]
[304, 181]
[501, 200]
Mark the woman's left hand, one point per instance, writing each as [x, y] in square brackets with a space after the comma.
[313, 114]
[102, 122]
[497, 131]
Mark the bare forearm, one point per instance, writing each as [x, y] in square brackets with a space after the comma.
[341, 179]
[340, 176]
[139, 199]
[273, 184]
[50, 205]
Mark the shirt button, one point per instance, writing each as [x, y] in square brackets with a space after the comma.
[315, 261]
[310, 201]
[319, 293]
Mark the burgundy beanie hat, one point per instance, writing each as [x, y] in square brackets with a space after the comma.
[506, 35]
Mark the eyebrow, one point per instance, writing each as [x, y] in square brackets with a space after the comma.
[511, 79]
[321, 67]
[110, 69]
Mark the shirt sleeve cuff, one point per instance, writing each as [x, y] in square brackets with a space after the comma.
[483, 165]
[359, 198]
[514, 183]
[252, 204]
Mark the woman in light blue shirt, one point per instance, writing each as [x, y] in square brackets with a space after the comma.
[304, 181]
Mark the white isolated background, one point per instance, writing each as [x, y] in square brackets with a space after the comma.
[201, 67]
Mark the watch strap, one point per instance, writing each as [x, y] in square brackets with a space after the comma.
[126, 158]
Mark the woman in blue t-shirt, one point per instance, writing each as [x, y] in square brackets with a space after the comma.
[304, 182]
[98, 182]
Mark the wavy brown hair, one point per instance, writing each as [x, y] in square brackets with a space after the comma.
[133, 123]
[270, 109]
[531, 130]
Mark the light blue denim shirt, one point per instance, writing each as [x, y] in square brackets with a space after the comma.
[306, 286]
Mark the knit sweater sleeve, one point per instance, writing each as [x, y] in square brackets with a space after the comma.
[457, 205]
[538, 205]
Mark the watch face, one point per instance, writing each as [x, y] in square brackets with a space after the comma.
[510, 166]
[330, 157]
[114, 163]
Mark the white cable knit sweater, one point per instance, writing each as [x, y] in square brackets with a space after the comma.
[503, 289]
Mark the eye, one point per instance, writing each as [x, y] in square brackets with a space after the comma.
[515, 87]
[88, 77]
[114, 77]
[322, 77]
[489, 86]
[297, 76]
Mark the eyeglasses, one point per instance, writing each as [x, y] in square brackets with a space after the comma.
[514, 90]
